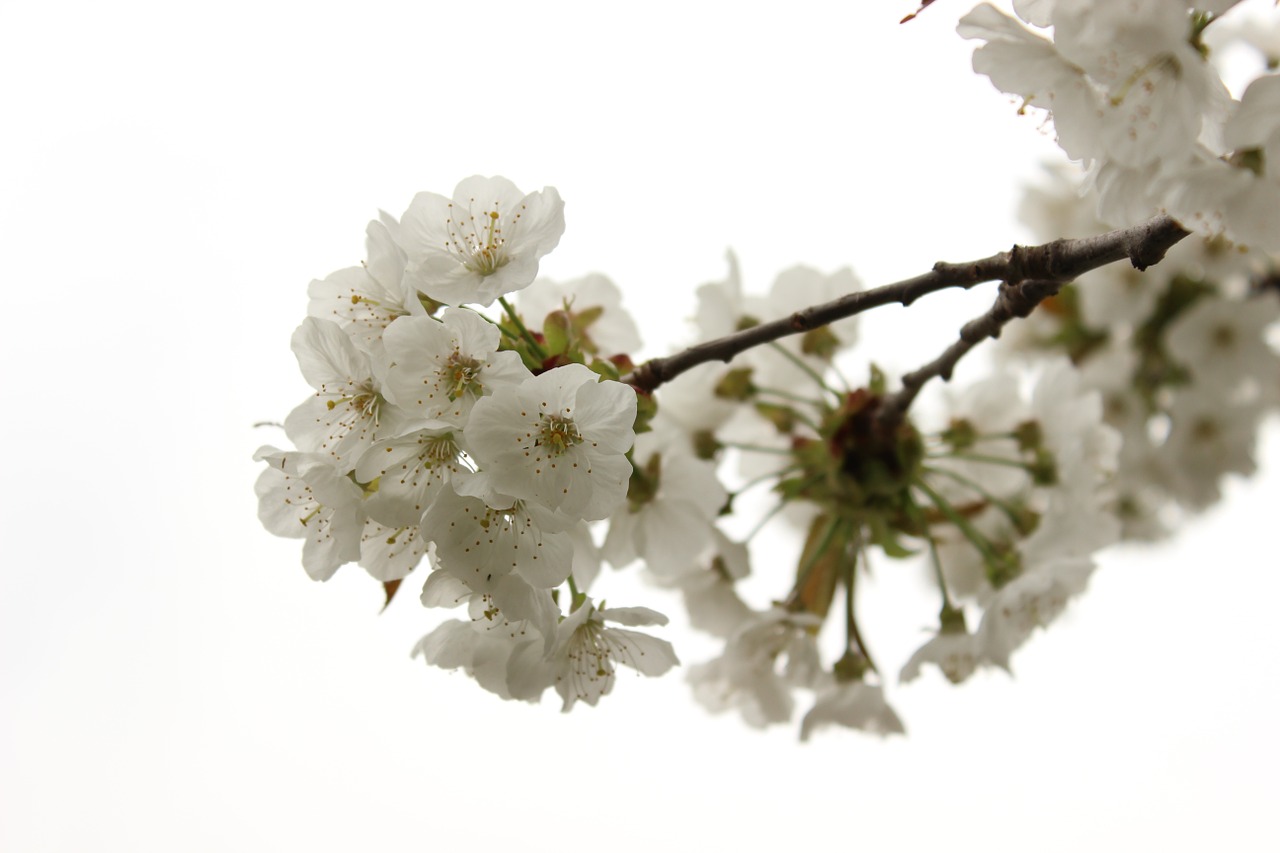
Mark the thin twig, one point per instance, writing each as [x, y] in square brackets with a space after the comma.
[1014, 300]
[1059, 261]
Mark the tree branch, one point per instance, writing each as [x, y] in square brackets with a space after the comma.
[1014, 300]
[1144, 245]
[1059, 261]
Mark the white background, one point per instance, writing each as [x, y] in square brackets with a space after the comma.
[174, 175]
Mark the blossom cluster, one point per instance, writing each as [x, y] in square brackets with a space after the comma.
[432, 437]
[1135, 91]
[1183, 356]
[506, 456]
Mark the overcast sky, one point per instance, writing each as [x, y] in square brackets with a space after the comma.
[170, 679]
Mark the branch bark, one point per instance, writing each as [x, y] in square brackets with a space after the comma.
[1057, 262]
[1014, 300]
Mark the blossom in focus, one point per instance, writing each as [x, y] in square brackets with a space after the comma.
[483, 243]
[300, 495]
[364, 300]
[348, 412]
[558, 439]
[439, 368]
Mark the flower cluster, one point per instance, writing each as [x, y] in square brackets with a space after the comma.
[1133, 91]
[435, 432]
[1005, 497]
[506, 458]
[1180, 355]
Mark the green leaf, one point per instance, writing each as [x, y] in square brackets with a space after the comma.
[557, 329]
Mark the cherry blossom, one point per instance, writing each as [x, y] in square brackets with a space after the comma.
[500, 457]
[558, 439]
[483, 243]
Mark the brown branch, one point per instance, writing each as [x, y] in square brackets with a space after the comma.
[1059, 261]
[1144, 245]
[1014, 300]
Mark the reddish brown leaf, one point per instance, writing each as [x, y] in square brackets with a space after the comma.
[389, 587]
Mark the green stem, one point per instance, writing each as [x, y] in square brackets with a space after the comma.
[978, 438]
[787, 395]
[843, 380]
[519, 324]
[756, 448]
[782, 472]
[806, 369]
[575, 598]
[1010, 511]
[984, 459]
[913, 510]
[763, 521]
[962, 524]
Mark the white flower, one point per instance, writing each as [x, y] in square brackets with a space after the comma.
[1254, 216]
[1075, 521]
[609, 329]
[302, 496]
[690, 399]
[439, 368]
[364, 300]
[482, 244]
[586, 555]
[508, 607]
[390, 553]
[1223, 341]
[854, 704]
[953, 652]
[583, 663]
[1020, 62]
[963, 566]
[1070, 418]
[1257, 29]
[348, 412]
[1157, 90]
[1209, 437]
[1031, 600]
[767, 657]
[483, 651]
[410, 471]
[993, 409]
[1119, 296]
[1130, 96]
[710, 597]
[720, 304]
[558, 439]
[480, 545]
[681, 498]
[795, 289]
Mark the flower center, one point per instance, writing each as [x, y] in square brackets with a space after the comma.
[363, 403]
[557, 435]
[462, 375]
[480, 248]
[439, 449]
